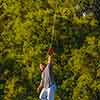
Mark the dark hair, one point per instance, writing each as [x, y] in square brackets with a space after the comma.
[43, 64]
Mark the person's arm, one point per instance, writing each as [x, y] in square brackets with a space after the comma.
[41, 83]
[49, 60]
[40, 86]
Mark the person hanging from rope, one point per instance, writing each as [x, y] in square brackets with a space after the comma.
[47, 85]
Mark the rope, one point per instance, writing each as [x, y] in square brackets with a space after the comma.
[53, 27]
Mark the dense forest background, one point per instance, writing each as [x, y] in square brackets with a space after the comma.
[25, 36]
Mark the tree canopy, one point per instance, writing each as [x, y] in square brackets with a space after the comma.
[26, 33]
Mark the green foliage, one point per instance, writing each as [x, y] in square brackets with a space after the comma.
[25, 35]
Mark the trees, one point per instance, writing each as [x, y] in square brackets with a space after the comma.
[25, 36]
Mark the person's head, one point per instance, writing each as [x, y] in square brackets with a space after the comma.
[42, 67]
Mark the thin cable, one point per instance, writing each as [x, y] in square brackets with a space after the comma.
[53, 27]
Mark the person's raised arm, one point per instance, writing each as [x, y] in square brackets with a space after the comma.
[50, 54]
[49, 59]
